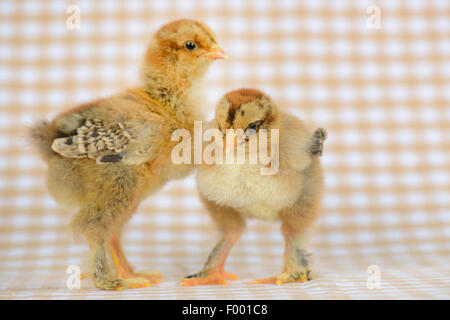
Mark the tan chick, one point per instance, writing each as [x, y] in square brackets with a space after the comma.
[233, 193]
[106, 156]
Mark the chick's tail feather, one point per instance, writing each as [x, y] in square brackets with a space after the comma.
[42, 135]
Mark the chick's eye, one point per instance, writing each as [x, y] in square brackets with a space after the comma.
[251, 129]
[190, 45]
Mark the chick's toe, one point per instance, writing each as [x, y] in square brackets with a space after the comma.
[208, 277]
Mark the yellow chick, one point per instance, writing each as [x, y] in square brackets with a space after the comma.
[233, 193]
[106, 156]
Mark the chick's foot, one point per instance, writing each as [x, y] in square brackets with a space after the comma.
[208, 277]
[154, 277]
[119, 284]
[301, 275]
[107, 282]
[133, 283]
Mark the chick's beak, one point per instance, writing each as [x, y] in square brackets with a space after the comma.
[217, 53]
[230, 144]
[233, 143]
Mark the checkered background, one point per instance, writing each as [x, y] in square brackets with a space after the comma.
[383, 94]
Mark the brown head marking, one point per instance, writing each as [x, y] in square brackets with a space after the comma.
[239, 97]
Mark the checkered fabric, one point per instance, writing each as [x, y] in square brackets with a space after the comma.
[382, 93]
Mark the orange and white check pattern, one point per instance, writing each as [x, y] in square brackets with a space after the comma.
[383, 94]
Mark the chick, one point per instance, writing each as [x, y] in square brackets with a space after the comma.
[104, 157]
[233, 193]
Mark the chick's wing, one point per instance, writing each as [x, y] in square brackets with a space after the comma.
[109, 142]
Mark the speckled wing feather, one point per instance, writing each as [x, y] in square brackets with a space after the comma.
[318, 137]
[96, 139]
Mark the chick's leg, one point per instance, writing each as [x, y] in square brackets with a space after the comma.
[295, 225]
[213, 272]
[123, 268]
[296, 259]
[112, 194]
[232, 225]
[101, 272]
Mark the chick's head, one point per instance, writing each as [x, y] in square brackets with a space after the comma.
[246, 111]
[185, 47]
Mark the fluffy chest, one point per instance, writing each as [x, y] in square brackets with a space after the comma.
[244, 188]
